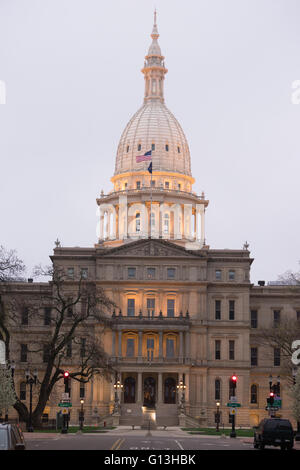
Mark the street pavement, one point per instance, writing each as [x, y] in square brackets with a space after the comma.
[125, 438]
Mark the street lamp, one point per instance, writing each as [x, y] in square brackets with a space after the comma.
[30, 381]
[81, 415]
[181, 388]
[218, 416]
[118, 386]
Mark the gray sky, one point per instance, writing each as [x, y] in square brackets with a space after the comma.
[73, 80]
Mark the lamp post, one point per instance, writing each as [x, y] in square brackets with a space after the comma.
[297, 435]
[81, 415]
[181, 389]
[218, 416]
[118, 386]
[30, 381]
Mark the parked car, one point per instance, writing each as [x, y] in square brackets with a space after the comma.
[274, 432]
[11, 437]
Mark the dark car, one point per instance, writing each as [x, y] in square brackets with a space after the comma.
[11, 437]
[274, 432]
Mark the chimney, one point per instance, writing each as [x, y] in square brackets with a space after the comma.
[261, 283]
[30, 279]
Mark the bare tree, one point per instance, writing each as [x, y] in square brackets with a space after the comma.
[77, 315]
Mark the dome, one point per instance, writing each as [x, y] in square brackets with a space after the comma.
[153, 127]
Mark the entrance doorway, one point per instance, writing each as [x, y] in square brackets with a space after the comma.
[129, 390]
[170, 391]
[149, 392]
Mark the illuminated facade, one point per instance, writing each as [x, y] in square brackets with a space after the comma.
[186, 313]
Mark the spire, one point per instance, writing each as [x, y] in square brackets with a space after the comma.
[154, 68]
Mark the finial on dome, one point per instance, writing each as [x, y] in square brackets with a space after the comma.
[155, 34]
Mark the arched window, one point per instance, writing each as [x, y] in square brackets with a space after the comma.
[253, 393]
[166, 223]
[23, 391]
[137, 222]
[129, 390]
[139, 147]
[170, 390]
[217, 389]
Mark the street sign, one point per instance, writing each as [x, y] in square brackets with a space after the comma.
[272, 408]
[277, 402]
[232, 411]
[65, 405]
[233, 405]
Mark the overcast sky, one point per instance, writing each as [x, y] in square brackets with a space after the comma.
[73, 80]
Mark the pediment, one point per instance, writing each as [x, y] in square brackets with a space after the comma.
[151, 248]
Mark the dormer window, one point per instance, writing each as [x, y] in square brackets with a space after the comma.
[127, 149]
[153, 147]
[167, 147]
[178, 149]
[139, 147]
[138, 222]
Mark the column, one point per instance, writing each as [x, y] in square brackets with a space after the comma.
[101, 232]
[140, 344]
[187, 390]
[187, 346]
[160, 346]
[139, 388]
[180, 346]
[160, 389]
[113, 352]
[120, 344]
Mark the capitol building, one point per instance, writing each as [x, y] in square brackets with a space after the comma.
[186, 314]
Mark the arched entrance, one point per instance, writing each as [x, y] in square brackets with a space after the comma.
[170, 391]
[129, 390]
[149, 392]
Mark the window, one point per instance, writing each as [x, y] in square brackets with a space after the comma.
[170, 307]
[69, 349]
[231, 350]
[179, 187]
[125, 185]
[82, 347]
[276, 318]
[253, 315]
[231, 275]
[253, 356]
[138, 185]
[218, 275]
[151, 273]
[218, 309]
[153, 183]
[217, 349]
[127, 148]
[171, 273]
[70, 273]
[153, 147]
[253, 394]
[23, 391]
[139, 147]
[84, 273]
[178, 149]
[69, 307]
[166, 223]
[167, 184]
[231, 309]
[130, 307]
[46, 353]
[217, 389]
[276, 356]
[167, 147]
[137, 222]
[130, 347]
[150, 348]
[23, 357]
[82, 390]
[47, 316]
[298, 315]
[131, 273]
[151, 307]
[170, 349]
[24, 316]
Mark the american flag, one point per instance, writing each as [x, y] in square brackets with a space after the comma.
[144, 158]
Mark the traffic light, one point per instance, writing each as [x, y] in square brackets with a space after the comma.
[271, 399]
[233, 381]
[66, 380]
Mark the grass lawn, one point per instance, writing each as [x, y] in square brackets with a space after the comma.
[213, 432]
[74, 429]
